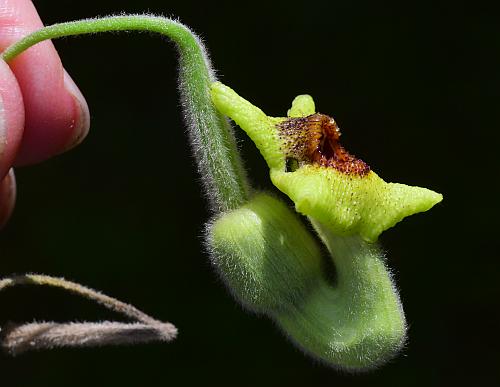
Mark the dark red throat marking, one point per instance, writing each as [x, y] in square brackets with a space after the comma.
[315, 140]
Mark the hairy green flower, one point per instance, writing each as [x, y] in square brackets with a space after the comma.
[275, 267]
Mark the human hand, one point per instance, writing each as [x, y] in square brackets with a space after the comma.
[42, 111]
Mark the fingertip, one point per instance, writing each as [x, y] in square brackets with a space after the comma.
[56, 114]
[11, 117]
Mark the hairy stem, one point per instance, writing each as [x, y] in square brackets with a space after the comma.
[20, 338]
[91, 294]
[211, 136]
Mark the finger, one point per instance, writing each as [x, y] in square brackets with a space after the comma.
[7, 197]
[11, 118]
[56, 114]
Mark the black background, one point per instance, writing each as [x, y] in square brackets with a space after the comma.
[415, 89]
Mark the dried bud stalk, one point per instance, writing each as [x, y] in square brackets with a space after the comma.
[17, 339]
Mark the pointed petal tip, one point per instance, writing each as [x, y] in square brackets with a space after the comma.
[420, 199]
[402, 202]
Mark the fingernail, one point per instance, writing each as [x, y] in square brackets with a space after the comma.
[82, 121]
[7, 197]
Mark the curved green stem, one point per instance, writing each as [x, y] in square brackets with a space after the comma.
[211, 136]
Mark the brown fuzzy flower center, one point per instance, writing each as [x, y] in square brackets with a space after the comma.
[315, 140]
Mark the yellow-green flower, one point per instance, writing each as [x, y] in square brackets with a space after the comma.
[325, 182]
